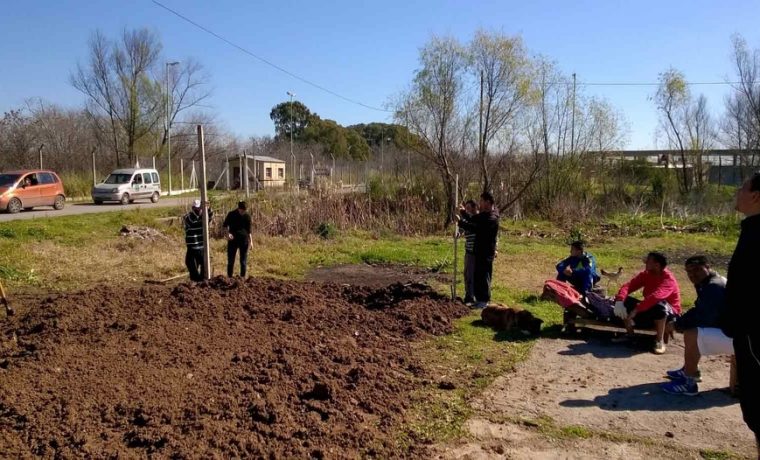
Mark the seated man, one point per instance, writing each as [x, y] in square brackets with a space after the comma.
[701, 334]
[661, 303]
[579, 269]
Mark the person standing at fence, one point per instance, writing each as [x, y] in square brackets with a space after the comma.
[485, 226]
[193, 223]
[237, 224]
[741, 318]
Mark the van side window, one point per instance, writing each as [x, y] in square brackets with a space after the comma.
[156, 180]
[137, 179]
[147, 179]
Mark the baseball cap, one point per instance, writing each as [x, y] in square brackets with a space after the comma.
[196, 203]
[241, 205]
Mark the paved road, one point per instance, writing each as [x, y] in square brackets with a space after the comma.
[90, 208]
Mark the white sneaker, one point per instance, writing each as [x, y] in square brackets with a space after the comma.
[480, 305]
[659, 348]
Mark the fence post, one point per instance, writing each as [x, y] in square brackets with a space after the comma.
[204, 204]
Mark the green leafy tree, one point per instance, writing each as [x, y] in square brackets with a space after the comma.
[295, 115]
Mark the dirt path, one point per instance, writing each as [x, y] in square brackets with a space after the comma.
[599, 400]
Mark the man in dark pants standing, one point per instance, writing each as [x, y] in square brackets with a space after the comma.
[741, 320]
[485, 226]
[238, 227]
[193, 223]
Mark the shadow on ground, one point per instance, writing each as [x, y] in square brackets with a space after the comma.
[650, 397]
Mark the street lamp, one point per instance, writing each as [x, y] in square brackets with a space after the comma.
[292, 155]
[168, 125]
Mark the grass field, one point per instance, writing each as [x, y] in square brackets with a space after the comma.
[76, 252]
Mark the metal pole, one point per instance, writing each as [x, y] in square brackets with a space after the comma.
[204, 201]
[154, 162]
[169, 125]
[456, 237]
[572, 130]
[227, 169]
[39, 152]
[292, 155]
[382, 154]
[182, 173]
[168, 131]
[94, 173]
[245, 165]
[240, 173]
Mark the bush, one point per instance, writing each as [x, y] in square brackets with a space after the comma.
[326, 230]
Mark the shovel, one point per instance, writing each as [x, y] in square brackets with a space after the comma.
[4, 301]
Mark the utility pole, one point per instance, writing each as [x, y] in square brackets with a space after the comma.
[204, 204]
[168, 125]
[292, 155]
[382, 154]
[39, 152]
[572, 129]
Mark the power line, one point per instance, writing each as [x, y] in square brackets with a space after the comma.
[267, 62]
[688, 83]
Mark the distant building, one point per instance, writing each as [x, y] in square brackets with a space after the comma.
[263, 172]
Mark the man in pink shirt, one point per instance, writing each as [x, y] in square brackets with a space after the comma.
[661, 303]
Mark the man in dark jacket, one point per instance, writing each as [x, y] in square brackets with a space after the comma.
[238, 227]
[471, 208]
[701, 334]
[193, 223]
[742, 317]
[485, 226]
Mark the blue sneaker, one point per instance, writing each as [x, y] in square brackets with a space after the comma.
[679, 374]
[686, 387]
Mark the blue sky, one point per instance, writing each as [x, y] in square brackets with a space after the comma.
[368, 50]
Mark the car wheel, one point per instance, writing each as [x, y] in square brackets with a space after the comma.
[154, 197]
[125, 199]
[14, 205]
[98, 201]
[59, 203]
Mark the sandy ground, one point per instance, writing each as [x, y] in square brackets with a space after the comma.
[608, 388]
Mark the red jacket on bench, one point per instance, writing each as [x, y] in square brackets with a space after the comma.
[656, 289]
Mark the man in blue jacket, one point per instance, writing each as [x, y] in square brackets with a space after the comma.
[579, 269]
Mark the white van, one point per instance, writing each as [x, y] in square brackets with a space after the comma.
[128, 185]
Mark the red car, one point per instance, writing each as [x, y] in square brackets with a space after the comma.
[29, 189]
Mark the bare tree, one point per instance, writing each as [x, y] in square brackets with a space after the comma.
[16, 140]
[123, 82]
[672, 99]
[701, 135]
[117, 83]
[432, 109]
[188, 88]
[502, 66]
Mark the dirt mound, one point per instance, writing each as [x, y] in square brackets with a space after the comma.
[374, 275]
[227, 368]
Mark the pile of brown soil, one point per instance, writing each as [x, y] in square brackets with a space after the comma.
[226, 368]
